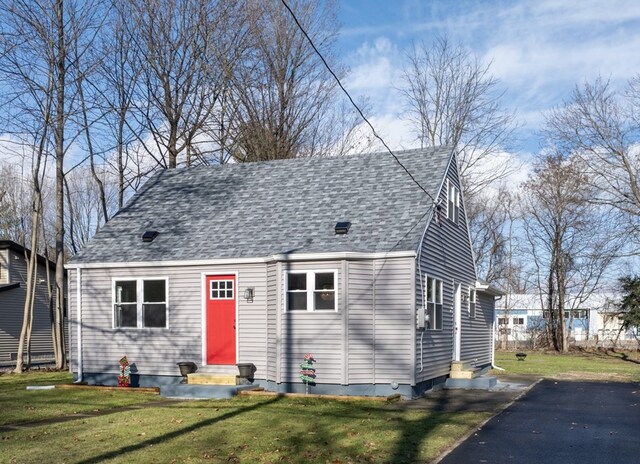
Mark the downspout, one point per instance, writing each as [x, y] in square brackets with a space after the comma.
[79, 322]
[493, 336]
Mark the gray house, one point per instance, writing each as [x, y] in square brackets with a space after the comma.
[346, 258]
[13, 288]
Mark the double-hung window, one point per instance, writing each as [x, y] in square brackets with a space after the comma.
[472, 302]
[434, 304]
[140, 303]
[453, 202]
[311, 291]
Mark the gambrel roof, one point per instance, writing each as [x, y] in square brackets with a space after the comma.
[276, 207]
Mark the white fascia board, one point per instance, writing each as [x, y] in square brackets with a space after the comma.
[349, 255]
[489, 289]
[235, 261]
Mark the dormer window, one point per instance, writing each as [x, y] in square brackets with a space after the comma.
[453, 202]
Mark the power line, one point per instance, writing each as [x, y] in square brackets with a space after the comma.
[375, 134]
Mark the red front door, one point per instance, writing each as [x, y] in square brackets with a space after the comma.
[221, 319]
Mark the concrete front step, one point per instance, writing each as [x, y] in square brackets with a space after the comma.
[225, 369]
[211, 379]
[483, 382]
[187, 391]
[466, 374]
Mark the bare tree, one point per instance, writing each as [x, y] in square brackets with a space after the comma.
[38, 40]
[286, 101]
[184, 50]
[602, 128]
[453, 100]
[569, 238]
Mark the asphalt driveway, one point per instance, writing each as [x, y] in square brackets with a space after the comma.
[560, 422]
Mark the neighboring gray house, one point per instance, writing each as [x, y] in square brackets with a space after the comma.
[246, 263]
[13, 288]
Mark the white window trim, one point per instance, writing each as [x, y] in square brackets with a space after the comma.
[233, 288]
[452, 189]
[310, 291]
[435, 282]
[473, 300]
[139, 301]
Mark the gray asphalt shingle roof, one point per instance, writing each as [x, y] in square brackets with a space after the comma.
[288, 206]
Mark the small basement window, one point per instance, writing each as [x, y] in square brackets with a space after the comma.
[140, 303]
[311, 291]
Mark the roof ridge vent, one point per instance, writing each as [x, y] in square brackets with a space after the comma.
[149, 235]
[342, 227]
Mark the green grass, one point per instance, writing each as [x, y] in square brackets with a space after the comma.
[586, 365]
[241, 430]
[21, 405]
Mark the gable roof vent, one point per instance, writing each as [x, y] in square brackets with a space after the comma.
[149, 235]
[342, 227]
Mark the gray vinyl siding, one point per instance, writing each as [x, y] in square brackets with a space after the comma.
[394, 321]
[72, 285]
[317, 332]
[272, 310]
[476, 344]
[446, 255]
[156, 351]
[12, 309]
[361, 355]
[369, 339]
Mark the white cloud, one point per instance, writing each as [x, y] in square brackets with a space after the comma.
[538, 50]
[375, 66]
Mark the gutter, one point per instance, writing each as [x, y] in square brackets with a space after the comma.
[493, 336]
[284, 257]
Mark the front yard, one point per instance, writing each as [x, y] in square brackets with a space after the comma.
[244, 429]
[255, 429]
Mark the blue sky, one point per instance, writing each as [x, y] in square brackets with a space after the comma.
[539, 50]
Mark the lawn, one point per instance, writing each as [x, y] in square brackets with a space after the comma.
[21, 405]
[582, 365]
[243, 429]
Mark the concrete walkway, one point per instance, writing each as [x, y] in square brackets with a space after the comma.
[508, 389]
[560, 422]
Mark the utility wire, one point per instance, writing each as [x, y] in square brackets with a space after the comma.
[375, 134]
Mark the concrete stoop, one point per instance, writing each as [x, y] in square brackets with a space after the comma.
[484, 382]
[201, 391]
[211, 379]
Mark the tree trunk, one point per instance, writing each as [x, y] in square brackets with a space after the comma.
[27, 320]
[59, 151]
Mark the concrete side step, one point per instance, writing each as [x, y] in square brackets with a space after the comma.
[211, 379]
[484, 382]
[460, 366]
[471, 374]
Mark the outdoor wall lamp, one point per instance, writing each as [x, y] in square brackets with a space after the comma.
[248, 294]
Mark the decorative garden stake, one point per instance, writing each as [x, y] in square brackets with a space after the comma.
[125, 372]
[308, 372]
